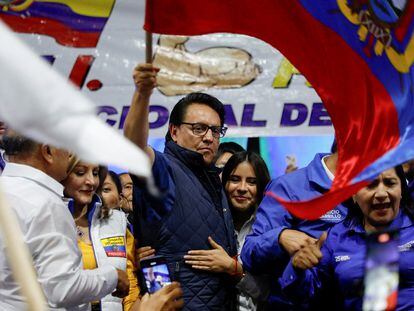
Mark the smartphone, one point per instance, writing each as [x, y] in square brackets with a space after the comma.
[381, 272]
[154, 274]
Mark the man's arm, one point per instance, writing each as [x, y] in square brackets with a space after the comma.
[136, 123]
[52, 242]
[309, 270]
[261, 247]
[272, 238]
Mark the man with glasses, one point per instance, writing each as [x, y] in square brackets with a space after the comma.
[193, 206]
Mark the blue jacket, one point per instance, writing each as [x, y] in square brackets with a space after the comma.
[343, 265]
[261, 252]
[193, 207]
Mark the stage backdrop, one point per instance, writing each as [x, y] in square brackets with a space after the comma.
[97, 43]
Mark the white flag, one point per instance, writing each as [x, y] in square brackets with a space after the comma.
[39, 103]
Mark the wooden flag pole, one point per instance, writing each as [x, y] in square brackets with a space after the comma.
[19, 257]
[148, 47]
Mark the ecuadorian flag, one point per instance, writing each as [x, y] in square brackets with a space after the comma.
[74, 23]
[358, 55]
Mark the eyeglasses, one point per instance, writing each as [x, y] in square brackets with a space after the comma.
[200, 129]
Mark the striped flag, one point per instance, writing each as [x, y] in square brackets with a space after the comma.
[357, 54]
[71, 23]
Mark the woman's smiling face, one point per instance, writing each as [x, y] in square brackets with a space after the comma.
[82, 183]
[241, 187]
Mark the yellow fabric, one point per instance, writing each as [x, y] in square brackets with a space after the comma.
[131, 271]
[89, 262]
[88, 257]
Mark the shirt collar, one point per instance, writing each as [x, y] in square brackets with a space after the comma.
[330, 175]
[191, 158]
[250, 220]
[248, 223]
[401, 221]
[95, 204]
[317, 173]
[34, 174]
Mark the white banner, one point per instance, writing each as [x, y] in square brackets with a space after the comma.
[263, 93]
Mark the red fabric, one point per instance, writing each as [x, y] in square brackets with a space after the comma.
[404, 24]
[80, 69]
[392, 301]
[60, 32]
[363, 113]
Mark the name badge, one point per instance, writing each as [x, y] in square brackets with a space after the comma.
[114, 246]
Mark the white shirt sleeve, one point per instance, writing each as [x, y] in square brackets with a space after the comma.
[51, 238]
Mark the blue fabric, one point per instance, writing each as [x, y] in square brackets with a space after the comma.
[343, 265]
[91, 207]
[2, 163]
[411, 189]
[192, 208]
[261, 252]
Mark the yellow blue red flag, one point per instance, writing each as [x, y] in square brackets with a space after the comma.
[74, 23]
[357, 54]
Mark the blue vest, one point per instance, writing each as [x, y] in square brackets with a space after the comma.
[195, 209]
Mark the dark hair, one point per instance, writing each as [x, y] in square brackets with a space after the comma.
[105, 211]
[103, 173]
[178, 113]
[334, 147]
[259, 166]
[230, 147]
[14, 144]
[117, 181]
[406, 202]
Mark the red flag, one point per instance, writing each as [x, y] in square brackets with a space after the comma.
[366, 88]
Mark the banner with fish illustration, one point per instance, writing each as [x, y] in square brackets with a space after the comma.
[97, 43]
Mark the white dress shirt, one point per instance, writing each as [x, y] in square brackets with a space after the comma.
[49, 232]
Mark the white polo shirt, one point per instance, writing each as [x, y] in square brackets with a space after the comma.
[49, 232]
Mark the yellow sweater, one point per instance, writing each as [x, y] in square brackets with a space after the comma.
[89, 263]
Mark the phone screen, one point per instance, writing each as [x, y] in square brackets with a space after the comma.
[156, 275]
[381, 272]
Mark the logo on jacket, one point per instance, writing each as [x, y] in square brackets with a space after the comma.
[385, 26]
[342, 258]
[114, 246]
[332, 216]
[406, 247]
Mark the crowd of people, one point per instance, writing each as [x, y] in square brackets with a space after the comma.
[226, 245]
